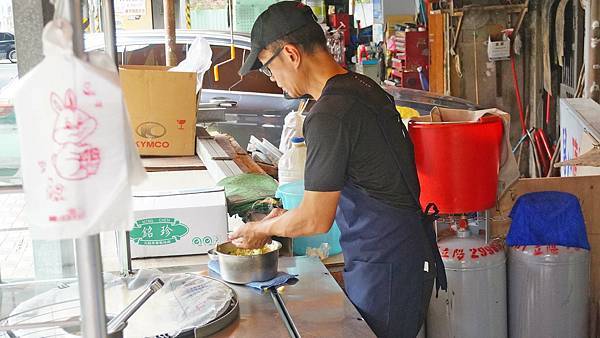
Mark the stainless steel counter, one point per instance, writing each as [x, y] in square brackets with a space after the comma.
[316, 304]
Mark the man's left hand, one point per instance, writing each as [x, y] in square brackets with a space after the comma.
[250, 236]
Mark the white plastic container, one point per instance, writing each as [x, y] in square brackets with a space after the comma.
[292, 126]
[291, 164]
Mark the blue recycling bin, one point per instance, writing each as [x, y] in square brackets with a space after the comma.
[291, 195]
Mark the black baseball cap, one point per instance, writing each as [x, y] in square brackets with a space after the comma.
[278, 20]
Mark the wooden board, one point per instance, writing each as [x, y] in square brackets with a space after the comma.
[494, 86]
[214, 150]
[586, 189]
[239, 155]
[436, 50]
[173, 163]
[218, 167]
[269, 169]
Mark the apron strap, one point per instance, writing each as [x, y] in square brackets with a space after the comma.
[441, 281]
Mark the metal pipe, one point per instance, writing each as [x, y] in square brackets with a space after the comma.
[124, 252]
[231, 45]
[593, 51]
[91, 286]
[75, 12]
[89, 261]
[475, 61]
[487, 226]
[169, 19]
[122, 317]
[110, 46]
[108, 27]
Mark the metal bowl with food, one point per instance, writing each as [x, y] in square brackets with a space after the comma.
[241, 266]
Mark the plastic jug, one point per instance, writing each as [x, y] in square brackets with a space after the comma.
[291, 164]
[291, 195]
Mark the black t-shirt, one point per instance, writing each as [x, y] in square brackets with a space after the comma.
[344, 143]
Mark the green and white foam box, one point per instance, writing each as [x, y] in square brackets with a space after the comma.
[177, 213]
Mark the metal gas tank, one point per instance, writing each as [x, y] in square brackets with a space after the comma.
[475, 305]
[421, 333]
[548, 291]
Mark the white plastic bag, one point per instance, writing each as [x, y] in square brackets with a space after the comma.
[292, 126]
[77, 152]
[198, 60]
[184, 302]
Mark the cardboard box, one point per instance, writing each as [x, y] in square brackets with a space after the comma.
[392, 20]
[180, 221]
[162, 109]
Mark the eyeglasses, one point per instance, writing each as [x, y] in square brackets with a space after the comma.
[265, 68]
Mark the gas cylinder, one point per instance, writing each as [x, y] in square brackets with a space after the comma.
[421, 333]
[548, 291]
[475, 304]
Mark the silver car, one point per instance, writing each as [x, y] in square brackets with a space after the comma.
[252, 105]
[240, 107]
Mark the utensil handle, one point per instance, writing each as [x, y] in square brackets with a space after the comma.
[134, 306]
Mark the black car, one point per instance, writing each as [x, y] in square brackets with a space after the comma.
[7, 47]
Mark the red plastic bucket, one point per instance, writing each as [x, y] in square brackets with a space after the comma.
[458, 163]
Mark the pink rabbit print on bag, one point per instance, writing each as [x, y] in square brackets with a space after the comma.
[75, 158]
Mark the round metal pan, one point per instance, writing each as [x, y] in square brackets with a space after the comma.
[246, 269]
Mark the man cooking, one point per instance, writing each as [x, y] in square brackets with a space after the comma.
[360, 172]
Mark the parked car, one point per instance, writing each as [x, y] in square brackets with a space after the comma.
[252, 105]
[7, 47]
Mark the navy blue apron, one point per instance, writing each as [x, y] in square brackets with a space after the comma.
[386, 248]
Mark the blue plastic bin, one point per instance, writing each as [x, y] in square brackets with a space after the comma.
[291, 195]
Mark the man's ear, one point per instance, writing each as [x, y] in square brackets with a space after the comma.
[293, 54]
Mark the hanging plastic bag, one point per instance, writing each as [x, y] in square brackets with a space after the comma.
[77, 152]
[198, 60]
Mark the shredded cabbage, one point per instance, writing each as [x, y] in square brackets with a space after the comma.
[250, 252]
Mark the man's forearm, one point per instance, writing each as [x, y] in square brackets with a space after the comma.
[295, 223]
